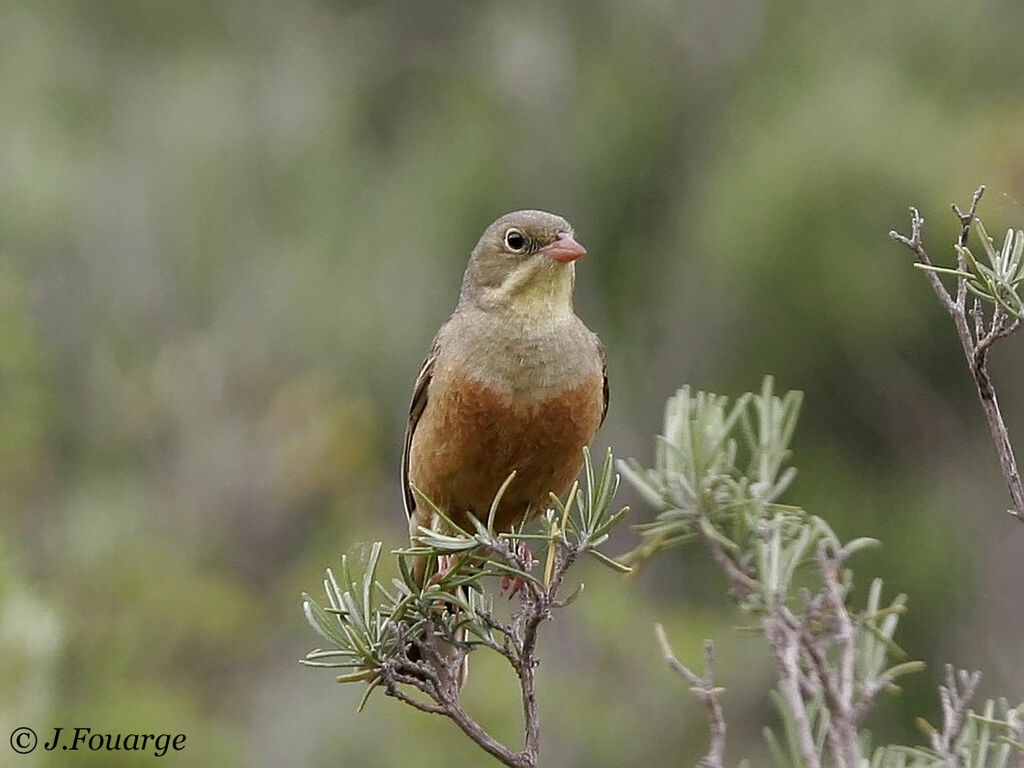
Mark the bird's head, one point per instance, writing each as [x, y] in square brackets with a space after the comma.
[524, 263]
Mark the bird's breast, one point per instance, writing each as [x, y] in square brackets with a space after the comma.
[471, 436]
[521, 357]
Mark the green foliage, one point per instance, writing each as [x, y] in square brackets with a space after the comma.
[370, 624]
[997, 282]
[719, 471]
[989, 740]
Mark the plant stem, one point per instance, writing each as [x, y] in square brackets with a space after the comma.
[704, 689]
[975, 347]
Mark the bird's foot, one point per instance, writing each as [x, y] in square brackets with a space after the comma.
[512, 584]
[445, 565]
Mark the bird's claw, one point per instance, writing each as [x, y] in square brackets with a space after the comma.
[445, 564]
[512, 584]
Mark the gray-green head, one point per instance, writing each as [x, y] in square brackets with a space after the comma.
[525, 263]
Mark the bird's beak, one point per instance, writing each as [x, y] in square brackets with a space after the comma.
[564, 249]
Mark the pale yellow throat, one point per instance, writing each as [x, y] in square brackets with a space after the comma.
[539, 292]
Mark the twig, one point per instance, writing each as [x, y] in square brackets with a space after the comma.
[442, 653]
[867, 697]
[828, 610]
[966, 219]
[819, 662]
[535, 608]
[915, 244]
[785, 645]
[704, 689]
[955, 695]
[976, 346]
[446, 703]
[965, 230]
[422, 706]
[742, 584]
[791, 641]
[842, 722]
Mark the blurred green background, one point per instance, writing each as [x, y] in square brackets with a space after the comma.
[228, 231]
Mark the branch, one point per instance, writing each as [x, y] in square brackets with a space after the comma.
[915, 244]
[965, 230]
[534, 609]
[828, 611]
[742, 584]
[870, 692]
[831, 662]
[704, 689]
[443, 652]
[785, 646]
[842, 721]
[976, 346]
[522, 634]
[422, 706]
[425, 678]
[955, 695]
[835, 598]
[966, 219]
[435, 676]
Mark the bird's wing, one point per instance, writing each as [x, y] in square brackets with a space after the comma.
[419, 402]
[604, 373]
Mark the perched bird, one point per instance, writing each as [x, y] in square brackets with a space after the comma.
[514, 381]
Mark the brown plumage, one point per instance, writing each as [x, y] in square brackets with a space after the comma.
[514, 381]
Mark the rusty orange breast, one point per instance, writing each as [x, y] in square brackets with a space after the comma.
[470, 438]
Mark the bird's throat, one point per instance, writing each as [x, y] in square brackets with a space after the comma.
[539, 297]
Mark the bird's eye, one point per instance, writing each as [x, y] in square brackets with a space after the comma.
[515, 240]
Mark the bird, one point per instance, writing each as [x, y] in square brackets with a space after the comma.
[514, 381]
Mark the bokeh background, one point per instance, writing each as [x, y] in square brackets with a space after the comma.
[229, 229]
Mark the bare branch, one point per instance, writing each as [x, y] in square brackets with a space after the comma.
[915, 244]
[422, 706]
[435, 674]
[444, 702]
[965, 230]
[979, 318]
[966, 219]
[1000, 331]
[704, 689]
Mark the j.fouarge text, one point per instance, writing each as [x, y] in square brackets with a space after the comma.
[81, 738]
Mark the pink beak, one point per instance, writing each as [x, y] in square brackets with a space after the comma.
[564, 249]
